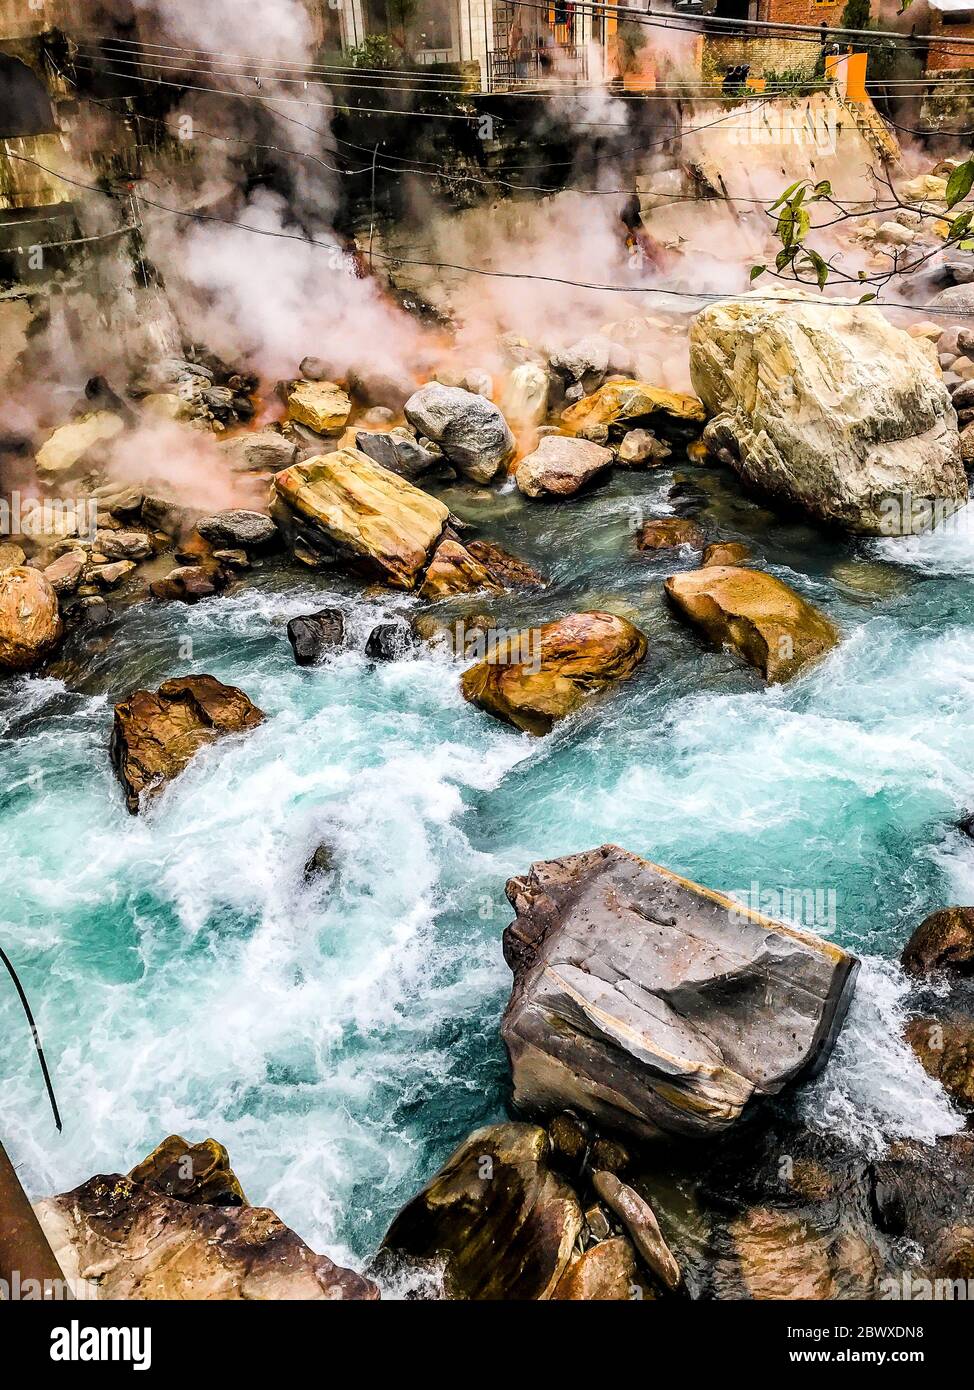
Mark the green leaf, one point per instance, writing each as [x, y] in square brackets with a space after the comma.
[787, 194]
[819, 266]
[960, 181]
[785, 257]
[866, 298]
[822, 190]
[757, 270]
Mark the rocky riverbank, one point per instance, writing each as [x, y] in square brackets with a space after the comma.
[660, 1035]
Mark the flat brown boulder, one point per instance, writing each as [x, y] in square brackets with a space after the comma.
[669, 533]
[118, 1238]
[30, 621]
[656, 1006]
[561, 466]
[495, 1219]
[759, 616]
[942, 941]
[157, 733]
[533, 678]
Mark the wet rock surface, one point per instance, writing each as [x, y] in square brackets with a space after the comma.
[535, 677]
[495, 1222]
[656, 1006]
[149, 1237]
[561, 466]
[312, 637]
[156, 734]
[346, 508]
[756, 614]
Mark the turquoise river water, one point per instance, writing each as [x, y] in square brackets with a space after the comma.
[340, 1037]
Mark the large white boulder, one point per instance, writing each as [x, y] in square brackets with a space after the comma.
[825, 404]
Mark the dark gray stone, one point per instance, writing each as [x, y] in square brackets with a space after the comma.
[315, 634]
[657, 1006]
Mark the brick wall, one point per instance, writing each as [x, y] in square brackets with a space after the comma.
[943, 59]
[763, 56]
[801, 11]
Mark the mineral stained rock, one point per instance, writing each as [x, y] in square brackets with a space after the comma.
[657, 1006]
[73, 447]
[495, 1218]
[347, 508]
[629, 402]
[157, 733]
[540, 675]
[320, 405]
[30, 621]
[829, 407]
[759, 616]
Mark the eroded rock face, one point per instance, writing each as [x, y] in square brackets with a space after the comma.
[470, 430]
[495, 1218]
[630, 402]
[655, 1005]
[157, 733]
[198, 1173]
[30, 621]
[942, 941]
[540, 675]
[828, 407]
[771, 626]
[945, 1049]
[347, 508]
[561, 466]
[505, 569]
[116, 1238]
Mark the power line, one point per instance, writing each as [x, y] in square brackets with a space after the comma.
[694, 295]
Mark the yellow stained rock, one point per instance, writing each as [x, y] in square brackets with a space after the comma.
[632, 400]
[771, 626]
[533, 678]
[321, 405]
[365, 512]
